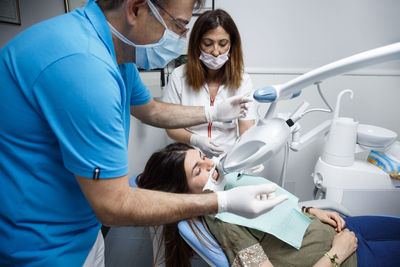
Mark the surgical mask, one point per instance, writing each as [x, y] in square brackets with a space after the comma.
[156, 55]
[212, 62]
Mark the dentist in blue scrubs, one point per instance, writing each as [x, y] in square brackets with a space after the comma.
[68, 86]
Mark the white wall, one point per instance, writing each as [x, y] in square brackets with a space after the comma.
[31, 12]
[295, 36]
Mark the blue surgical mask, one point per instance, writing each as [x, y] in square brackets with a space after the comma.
[156, 55]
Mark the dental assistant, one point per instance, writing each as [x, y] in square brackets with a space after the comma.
[214, 71]
[67, 90]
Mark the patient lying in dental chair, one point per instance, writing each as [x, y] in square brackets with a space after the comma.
[328, 241]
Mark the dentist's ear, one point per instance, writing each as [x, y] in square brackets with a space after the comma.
[133, 9]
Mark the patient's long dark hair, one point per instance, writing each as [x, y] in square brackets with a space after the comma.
[165, 171]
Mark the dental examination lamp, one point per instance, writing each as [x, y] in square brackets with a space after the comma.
[261, 142]
[271, 134]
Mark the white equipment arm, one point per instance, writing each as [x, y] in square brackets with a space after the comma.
[319, 131]
[358, 61]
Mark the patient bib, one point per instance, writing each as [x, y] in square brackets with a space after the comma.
[285, 221]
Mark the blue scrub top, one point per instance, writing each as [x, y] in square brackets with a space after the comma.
[64, 110]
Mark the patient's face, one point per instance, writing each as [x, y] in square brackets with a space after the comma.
[197, 169]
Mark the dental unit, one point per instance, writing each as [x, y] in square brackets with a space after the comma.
[342, 182]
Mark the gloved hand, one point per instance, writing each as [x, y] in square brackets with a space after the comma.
[231, 108]
[206, 144]
[249, 201]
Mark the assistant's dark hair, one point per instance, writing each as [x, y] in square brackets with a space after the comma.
[232, 71]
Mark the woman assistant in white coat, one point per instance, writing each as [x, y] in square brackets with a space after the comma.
[214, 71]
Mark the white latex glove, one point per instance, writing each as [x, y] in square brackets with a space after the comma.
[231, 108]
[249, 201]
[207, 145]
[216, 180]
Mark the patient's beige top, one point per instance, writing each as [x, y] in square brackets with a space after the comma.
[249, 247]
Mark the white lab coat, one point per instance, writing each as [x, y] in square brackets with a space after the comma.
[224, 133]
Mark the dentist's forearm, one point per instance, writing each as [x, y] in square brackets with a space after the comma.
[154, 208]
[169, 116]
[117, 204]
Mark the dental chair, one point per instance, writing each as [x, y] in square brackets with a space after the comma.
[212, 254]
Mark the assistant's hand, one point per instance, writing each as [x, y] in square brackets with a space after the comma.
[206, 144]
[329, 217]
[343, 245]
[249, 201]
[231, 108]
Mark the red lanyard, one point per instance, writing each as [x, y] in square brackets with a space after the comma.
[210, 123]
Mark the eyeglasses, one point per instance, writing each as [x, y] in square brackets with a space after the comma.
[182, 30]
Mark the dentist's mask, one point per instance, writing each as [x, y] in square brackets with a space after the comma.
[156, 55]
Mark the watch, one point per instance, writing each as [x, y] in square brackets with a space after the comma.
[332, 259]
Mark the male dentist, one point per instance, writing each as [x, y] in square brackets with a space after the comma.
[67, 90]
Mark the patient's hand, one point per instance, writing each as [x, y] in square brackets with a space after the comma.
[343, 245]
[329, 217]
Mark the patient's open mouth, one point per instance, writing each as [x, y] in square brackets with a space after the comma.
[215, 175]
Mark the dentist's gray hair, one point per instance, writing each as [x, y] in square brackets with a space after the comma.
[106, 5]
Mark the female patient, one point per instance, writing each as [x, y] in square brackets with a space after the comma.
[366, 240]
